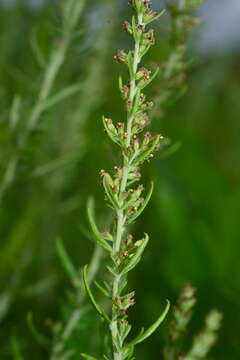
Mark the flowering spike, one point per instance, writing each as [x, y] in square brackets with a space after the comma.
[127, 200]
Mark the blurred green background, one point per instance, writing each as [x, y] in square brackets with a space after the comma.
[193, 217]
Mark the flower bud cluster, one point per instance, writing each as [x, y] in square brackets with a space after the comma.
[182, 312]
[202, 342]
[124, 302]
[183, 22]
[206, 339]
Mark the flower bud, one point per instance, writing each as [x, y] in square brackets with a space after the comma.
[127, 27]
[121, 57]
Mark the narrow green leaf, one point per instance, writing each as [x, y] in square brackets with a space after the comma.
[170, 150]
[145, 334]
[145, 50]
[151, 148]
[102, 289]
[65, 260]
[86, 356]
[109, 192]
[136, 102]
[61, 95]
[112, 132]
[101, 241]
[14, 115]
[134, 260]
[160, 14]
[110, 269]
[54, 165]
[155, 17]
[146, 83]
[36, 49]
[41, 340]
[16, 348]
[91, 297]
[120, 82]
[140, 210]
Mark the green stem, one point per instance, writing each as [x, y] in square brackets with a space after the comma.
[136, 61]
[121, 219]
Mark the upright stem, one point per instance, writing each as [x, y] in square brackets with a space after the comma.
[121, 218]
[133, 89]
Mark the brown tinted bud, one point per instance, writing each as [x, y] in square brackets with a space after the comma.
[127, 27]
[121, 57]
[144, 73]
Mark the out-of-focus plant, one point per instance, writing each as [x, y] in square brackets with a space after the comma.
[20, 130]
[23, 123]
[62, 333]
[182, 315]
[88, 99]
[172, 75]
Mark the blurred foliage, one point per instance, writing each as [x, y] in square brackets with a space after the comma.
[193, 218]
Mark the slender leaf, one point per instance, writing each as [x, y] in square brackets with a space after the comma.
[136, 257]
[86, 356]
[14, 115]
[112, 132]
[144, 155]
[146, 83]
[102, 289]
[137, 213]
[170, 149]
[156, 17]
[109, 192]
[145, 334]
[36, 49]
[101, 241]
[65, 260]
[61, 95]
[16, 348]
[91, 297]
